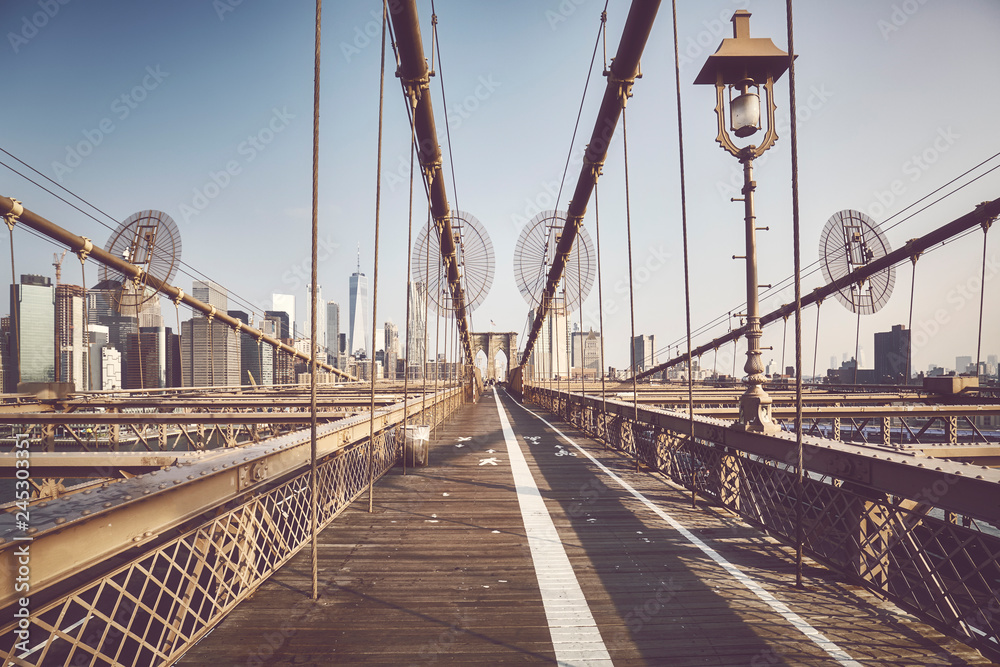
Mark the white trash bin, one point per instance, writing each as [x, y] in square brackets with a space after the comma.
[416, 445]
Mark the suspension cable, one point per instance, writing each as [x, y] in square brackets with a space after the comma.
[600, 299]
[313, 448]
[631, 289]
[378, 196]
[684, 235]
[409, 294]
[982, 294]
[799, 464]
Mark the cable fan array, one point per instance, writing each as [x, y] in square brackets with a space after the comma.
[474, 252]
[535, 253]
[151, 241]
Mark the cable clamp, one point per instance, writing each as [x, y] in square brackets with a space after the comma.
[84, 252]
[211, 314]
[179, 298]
[15, 213]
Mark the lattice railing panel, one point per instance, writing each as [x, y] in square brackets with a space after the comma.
[152, 609]
[945, 572]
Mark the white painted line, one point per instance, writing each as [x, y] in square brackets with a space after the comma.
[779, 607]
[575, 637]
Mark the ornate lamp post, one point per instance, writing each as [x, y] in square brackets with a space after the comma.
[747, 64]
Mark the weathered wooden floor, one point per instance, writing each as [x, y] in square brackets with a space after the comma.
[441, 573]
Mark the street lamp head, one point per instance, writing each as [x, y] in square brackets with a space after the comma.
[746, 64]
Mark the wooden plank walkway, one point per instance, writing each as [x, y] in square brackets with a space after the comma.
[442, 573]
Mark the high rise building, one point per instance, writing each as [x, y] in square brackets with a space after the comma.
[332, 340]
[357, 340]
[416, 351]
[282, 325]
[551, 354]
[105, 361]
[586, 350]
[250, 358]
[7, 370]
[33, 329]
[71, 336]
[211, 293]
[643, 355]
[210, 353]
[891, 349]
[147, 359]
[962, 365]
[320, 319]
[285, 303]
[391, 349]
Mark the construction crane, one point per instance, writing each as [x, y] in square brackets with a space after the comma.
[57, 261]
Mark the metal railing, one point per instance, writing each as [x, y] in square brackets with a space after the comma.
[921, 532]
[148, 609]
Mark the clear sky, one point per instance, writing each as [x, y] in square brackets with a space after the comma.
[202, 109]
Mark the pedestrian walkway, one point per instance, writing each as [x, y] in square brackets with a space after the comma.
[526, 543]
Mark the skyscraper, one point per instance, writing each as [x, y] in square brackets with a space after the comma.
[33, 329]
[358, 340]
[643, 355]
[391, 349]
[210, 354]
[332, 340]
[286, 304]
[320, 320]
[211, 293]
[416, 351]
[71, 337]
[891, 349]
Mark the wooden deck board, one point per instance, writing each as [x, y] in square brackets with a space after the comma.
[441, 573]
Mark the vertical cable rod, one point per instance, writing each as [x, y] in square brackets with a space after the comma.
[313, 482]
[378, 202]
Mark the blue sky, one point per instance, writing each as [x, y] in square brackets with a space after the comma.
[202, 109]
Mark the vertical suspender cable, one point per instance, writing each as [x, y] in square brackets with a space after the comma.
[982, 293]
[799, 489]
[17, 306]
[684, 234]
[313, 482]
[409, 292]
[600, 307]
[631, 290]
[816, 342]
[427, 292]
[378, 197]
[909, 326]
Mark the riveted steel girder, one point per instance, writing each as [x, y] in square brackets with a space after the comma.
[622, 73]
[414, 76]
